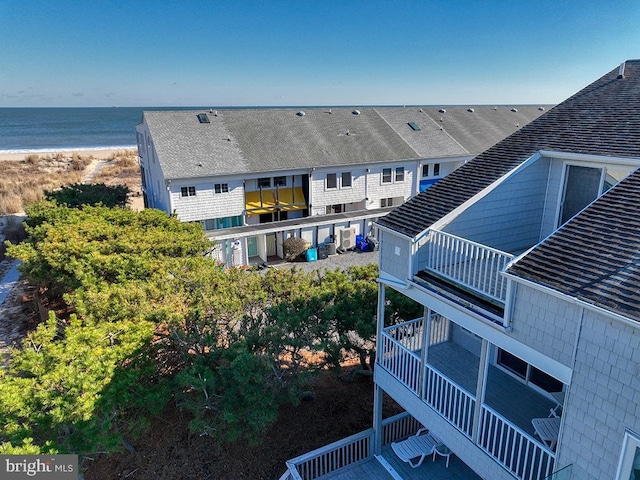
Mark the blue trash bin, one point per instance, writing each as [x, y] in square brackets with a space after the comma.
[312, 255]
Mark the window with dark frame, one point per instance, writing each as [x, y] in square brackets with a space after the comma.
[280, 181]
[332, 180]
[386, 175]
[386, 202]
[399, 174]
[346, 179]
[221, 187]
[264, 182]
[188, 191]
[425, 170]
[436, 169]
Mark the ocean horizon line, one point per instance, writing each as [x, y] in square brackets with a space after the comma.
[27, 151]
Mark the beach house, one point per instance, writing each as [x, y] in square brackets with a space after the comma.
[526, 362]
[254, 177]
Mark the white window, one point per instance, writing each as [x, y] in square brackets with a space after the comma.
[346, 179]
[332, 180]
[188, 191]
[386, 175]
[629, 464]
[221, 187]
[399, 174]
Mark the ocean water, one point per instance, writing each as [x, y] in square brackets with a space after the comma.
[66, 129]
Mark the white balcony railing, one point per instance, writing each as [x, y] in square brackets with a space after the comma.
[467, 263]
[513, 448]
[349, 450]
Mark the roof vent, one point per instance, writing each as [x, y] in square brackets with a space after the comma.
[356, 112]
[199, 164]
[228, 138]
[421, 111]
[514, 110]
[330, 111]
[541, 109]
[301, 113]
[518, 125]
[470, 110]
[442, 110]
[621, 70]
[495, 108]
[215, 113]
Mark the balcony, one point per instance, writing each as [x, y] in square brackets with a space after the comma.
[447, 383]
[352, 458]
[464, 269]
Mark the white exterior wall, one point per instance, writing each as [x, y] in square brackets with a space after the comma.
[604, 397]
[156, 191]
[206, 203]
[321, 196]
[376, 190]
[367, 188]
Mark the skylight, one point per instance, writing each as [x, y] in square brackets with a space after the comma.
[414, 126]
[203, 118]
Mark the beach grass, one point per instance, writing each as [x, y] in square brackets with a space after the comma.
[25, 181]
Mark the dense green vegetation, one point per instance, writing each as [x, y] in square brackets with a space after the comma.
[153, 319]
[79, 194]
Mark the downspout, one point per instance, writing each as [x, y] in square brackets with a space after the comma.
[378, 392]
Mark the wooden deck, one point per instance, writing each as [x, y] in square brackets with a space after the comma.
[433, 470]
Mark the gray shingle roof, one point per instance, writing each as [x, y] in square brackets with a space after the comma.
[596, 255]
[238, 141]
[601, 119]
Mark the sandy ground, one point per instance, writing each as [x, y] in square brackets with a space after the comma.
[98, 154]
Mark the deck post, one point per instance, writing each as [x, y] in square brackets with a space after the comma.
[424, 350]
[378, 392]
[481, 388]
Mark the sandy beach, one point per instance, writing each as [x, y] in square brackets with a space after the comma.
[98, 154]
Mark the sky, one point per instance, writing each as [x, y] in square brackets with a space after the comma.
[306, 52]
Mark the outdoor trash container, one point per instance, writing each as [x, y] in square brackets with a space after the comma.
[312, 255]
[323, 252]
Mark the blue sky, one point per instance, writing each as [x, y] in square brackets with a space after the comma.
[299, 52]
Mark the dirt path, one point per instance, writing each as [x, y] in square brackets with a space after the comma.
[12, 316]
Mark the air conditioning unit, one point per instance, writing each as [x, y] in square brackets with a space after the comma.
[347, 238]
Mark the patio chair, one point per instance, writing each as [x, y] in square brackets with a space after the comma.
[416, 448]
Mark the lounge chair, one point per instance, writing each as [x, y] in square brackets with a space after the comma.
[416, 448]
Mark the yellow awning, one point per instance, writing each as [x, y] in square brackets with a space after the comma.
[269, 201]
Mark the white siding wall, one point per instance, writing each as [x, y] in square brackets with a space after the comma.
[604, 397]
[321, 196]
[365, 185]
[206, 203]
[376, 190]
[513, 211]
[156, 190]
